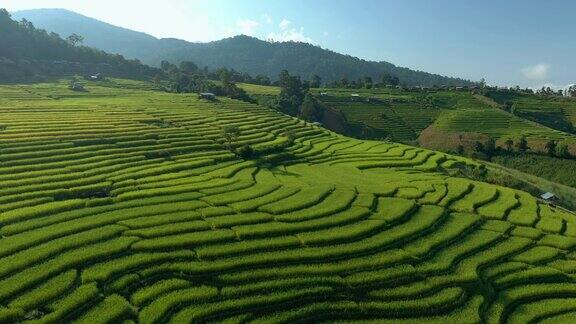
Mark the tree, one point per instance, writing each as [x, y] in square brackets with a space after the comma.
[4, 12]
[291, 136]
[571, 91]
[460, 149]
[368, 82]
[292, 93]
[27, 25]
[482, 83]
[388, 79]
[230, 133]
[309, 110]
[165, 65]
[563, 152]
[551, 147]
[508, 105]
[234, 92]
[75, 39]
[316, 81]
[188, 67]
[169, 68]
[490, 147]
[157, 79]
[522, 144]
[225, 76]
[509, 145]
[245, 151]
[262, 79]
[479, 147]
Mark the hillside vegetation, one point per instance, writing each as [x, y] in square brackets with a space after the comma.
[121, 203]
[28, 53]
[558, 170]
[242, 53]
[402, 115]
[554, 112]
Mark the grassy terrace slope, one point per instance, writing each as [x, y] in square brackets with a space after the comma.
[557, 113]
[122, 204]
[402, 115]
[391, 113]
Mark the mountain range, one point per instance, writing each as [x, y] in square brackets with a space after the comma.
[242, 53]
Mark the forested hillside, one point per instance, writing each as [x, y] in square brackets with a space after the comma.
[96, 34]
[242, 53]
[30, 53]
[255, 56]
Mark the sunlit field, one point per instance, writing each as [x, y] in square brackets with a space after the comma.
[126, 204]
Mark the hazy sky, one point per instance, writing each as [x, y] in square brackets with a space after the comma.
[524, 42]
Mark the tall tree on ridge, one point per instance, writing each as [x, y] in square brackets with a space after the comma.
[522, 144]
[75, 39]
[551, 147]
[316, 81]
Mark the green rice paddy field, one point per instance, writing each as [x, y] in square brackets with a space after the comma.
[122, 204]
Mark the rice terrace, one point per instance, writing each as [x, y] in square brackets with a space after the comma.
[165, 192]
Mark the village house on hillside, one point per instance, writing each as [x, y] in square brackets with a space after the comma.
[549, 198]
[96, 77]
[207, 96]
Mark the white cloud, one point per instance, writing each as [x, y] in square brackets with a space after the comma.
[247, 26]
[536, 72]
[284, 23]
[291, 35]
[267, 18]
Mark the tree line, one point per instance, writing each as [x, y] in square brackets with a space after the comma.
[257, 57]
[385, 80]
[294, 99]
[189, 78]
[489, 149]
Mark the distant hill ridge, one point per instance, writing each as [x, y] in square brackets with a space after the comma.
[242, 53]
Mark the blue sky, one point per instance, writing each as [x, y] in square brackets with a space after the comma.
[513, 42]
